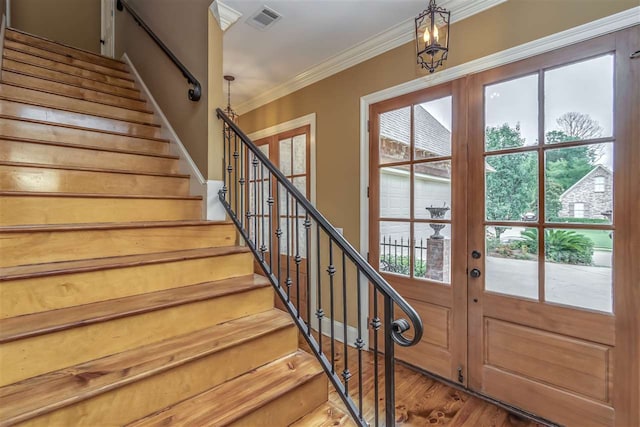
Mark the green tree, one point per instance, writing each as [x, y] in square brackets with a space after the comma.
[511, 180]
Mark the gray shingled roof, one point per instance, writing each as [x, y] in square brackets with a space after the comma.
[430, 134]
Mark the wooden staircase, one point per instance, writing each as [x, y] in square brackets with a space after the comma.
[119, 305]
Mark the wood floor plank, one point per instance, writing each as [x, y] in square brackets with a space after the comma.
[37, 152]
[11, 128]
[63, 49]
[57, 76]
[66, 59]
[68, 69]
[73, 91]
[40, 395]
[60, 102]
[42, 114]
[326, 415]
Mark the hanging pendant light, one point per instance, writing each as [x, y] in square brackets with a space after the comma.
[432, 36]
[229, 111]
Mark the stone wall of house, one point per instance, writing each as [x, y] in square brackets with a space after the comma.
[584, 192]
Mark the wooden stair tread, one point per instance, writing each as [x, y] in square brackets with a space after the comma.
[14, 33]
[93, 195]
[31, 325]
[34, 70]
[72, 70]
[81, 128]
[107, 226]
[45, 393]
[65, 58]
[94, 264]
[250, 391]
[86, 169]
[30, 96]
[88, 147]
[71, 91]
[325, 415]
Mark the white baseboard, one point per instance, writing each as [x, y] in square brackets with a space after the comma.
[198, 186]
[338, 330]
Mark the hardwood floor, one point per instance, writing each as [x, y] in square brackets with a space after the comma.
[420, 400]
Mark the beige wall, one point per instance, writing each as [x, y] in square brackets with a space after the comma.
[73, 22]
[183, 27]
[336, 99]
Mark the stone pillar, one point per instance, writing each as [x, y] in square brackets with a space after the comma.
[438, 259]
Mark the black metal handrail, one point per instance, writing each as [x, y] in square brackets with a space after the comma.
[249, 176]
[196, 92]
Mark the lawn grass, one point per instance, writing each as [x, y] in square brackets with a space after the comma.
[601, 239]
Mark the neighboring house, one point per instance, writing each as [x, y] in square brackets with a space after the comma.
[590, 197]
[432, 180]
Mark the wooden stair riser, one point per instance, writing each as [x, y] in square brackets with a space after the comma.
[34, 97]
[37, 355]
[67, 69]
[53, 116]
[126, 404]
[64, 50]
[51, 180]
[72, 91]
[289, 407]
[26, 210]
[51, 133]
[25, 152]
[39, 294]
[64, 59]
[57, 76]
[34, 247]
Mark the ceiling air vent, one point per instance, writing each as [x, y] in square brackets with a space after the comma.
[264, 18]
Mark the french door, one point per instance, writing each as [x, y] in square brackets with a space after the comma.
[516, 241]
[290, 151]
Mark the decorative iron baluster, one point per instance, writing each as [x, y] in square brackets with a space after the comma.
[346, 374]
[319, 311]
[288, 280]
[375, 325]
[359, 345]
[297, 259]
[237, 195]
[331, 269]
[307, 227]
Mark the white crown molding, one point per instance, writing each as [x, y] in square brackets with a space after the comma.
[395, 36]
[225, 15]
[609, 24]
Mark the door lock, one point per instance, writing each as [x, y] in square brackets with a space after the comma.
[476, 254]
[475, 273]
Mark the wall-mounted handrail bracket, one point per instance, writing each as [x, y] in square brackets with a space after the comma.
[194, 93]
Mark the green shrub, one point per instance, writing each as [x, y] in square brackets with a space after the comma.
[401, 265]
[564, 246]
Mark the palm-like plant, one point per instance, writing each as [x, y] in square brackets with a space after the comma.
[565, 246]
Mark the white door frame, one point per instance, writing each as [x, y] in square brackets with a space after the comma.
[107, 13]
[310, 120]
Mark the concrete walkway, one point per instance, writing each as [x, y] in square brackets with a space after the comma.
[576, 285]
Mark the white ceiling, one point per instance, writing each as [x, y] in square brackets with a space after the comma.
[268, 64]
